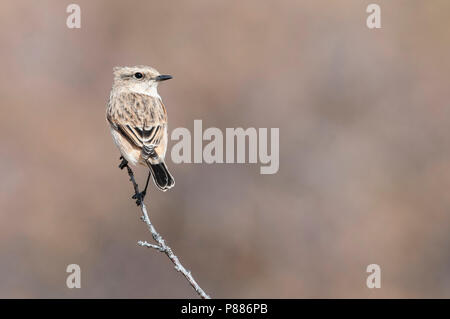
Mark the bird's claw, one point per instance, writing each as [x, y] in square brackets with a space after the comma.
[139, 197]
[124, 163]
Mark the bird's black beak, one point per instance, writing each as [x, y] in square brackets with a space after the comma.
[160, 78]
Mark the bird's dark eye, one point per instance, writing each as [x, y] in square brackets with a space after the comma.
[138, 75]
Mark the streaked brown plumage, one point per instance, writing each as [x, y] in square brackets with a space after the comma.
[138, 120]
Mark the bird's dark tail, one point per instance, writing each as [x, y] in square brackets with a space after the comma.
[161, 176]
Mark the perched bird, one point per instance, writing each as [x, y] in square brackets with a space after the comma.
[138, 121]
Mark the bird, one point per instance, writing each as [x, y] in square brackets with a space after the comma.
[138, 122]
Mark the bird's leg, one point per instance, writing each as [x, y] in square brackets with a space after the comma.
[140, 196]
[146, 183]
[124, 163]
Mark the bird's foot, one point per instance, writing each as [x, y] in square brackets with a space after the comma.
[139, 197]
[124, 163]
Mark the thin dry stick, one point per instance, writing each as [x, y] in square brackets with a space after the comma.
[161, 244]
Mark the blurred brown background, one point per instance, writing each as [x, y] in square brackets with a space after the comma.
[364, 149]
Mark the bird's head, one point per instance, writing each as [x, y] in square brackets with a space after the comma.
[139, 79]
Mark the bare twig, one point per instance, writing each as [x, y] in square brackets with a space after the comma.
[160, 242]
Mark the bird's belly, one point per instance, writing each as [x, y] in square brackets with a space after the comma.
[130, 153]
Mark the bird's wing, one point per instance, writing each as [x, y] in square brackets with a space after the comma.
[141, 119]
